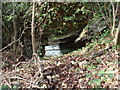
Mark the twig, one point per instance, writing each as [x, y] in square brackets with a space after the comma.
[16, 77]
[5, 26]
[22, 63]
[117, 8]
[7, 82]
[38, 64]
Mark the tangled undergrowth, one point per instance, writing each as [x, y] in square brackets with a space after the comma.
[97, 68]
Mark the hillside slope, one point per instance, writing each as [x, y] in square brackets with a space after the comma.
[94, 66]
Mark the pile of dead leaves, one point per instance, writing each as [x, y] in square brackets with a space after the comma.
[99, 70]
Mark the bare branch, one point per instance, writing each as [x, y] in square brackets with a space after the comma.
[114, 16]
[14, 40]
[33, 28]
[4, 26]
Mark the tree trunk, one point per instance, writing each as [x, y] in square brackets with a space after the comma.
[113, 23]
[15, 35]
[117, 37]
[1, 26]
[33, 28]
[15, 29]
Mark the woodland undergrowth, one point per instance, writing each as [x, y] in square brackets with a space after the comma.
[94, 66]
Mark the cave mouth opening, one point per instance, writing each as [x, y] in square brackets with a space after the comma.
[63, 48]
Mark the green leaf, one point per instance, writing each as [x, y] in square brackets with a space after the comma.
[104, 79]
[5, 87]
[107, 72]
[50, 9]
[68, 18]
[101, 73]
[78, 69]
[77, 11]
[99, 89]
[98, 81]
[15, 88]
[88, 75]
[94, 72]
[110, 75]
[95, 81]
[99, 60]
[85, 65]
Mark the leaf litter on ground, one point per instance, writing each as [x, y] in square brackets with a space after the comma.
[74, 70]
